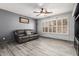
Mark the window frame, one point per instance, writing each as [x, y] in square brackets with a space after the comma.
[57, 25]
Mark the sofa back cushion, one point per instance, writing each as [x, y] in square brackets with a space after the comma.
[20, 32]
[28, 32]
[23, 32]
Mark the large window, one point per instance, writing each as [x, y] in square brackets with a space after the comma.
[56, 26]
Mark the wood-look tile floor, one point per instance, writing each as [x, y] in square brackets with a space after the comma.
[39, 47]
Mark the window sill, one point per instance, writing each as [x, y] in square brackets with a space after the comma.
[56, 33]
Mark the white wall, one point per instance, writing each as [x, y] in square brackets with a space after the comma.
[69, 36]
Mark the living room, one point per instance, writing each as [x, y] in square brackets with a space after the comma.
[37, 29]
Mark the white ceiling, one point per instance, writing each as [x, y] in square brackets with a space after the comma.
[27, 9]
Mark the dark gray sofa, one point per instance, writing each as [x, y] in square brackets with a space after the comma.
[25, 35]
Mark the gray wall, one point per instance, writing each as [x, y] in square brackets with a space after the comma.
[69, 36]
[10, 21]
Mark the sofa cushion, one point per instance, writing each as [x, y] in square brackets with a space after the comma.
[34, 35]
[24, 37]
[21, 34]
